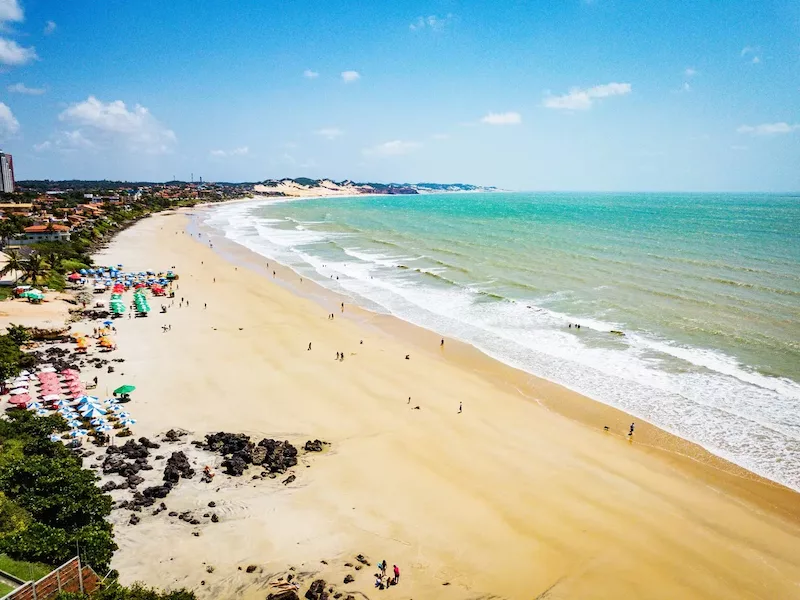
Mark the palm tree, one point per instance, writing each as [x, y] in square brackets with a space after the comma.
[34, 267]
[14, 264]
[7, 230]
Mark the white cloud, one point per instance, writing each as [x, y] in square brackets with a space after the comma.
[241, 151]
[431, 22]
[578, 99]
[66, 142]
[50, 27]
[330, 133]
[10, 10]
[753, 51]
[46, 145]
[507, 118]
[350, 76]
[8, 122]
[113, 124]
[690, 72]
[393, 148]
[769, 128]
[440, 136]
[12, 54]
[21, 88]
[309, 74]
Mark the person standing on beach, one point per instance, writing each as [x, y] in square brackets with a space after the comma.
[396, 575]
[442, 344]
[459, 407]
[309, 346]
[630, 433]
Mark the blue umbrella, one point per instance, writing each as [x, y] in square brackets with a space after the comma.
[91, 412]
[88, 400]
[76, 433]
[99, 421]
[107, 323]
[40, 412]
[127, 422]
[54, 437]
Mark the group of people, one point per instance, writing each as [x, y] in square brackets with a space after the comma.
[384, 580]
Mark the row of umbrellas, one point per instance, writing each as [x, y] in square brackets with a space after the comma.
[99, 415]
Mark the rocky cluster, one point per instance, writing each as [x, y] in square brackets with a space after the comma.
[240, 452]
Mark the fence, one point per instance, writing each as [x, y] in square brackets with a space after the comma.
[69, 577]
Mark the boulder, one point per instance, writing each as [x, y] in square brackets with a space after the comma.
[178, 466]
[284, 595]
[157, 491]
[314, 446]
[234, 466]
[317, 591]
[349, 578]
[251, 568]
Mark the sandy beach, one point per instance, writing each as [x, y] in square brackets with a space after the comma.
[521, 495]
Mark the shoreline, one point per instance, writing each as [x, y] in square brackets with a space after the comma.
[509, 499]
[570, 403]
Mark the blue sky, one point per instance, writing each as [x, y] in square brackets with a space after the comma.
[561, 95]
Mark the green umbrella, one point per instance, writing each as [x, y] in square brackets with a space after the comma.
[125, 389]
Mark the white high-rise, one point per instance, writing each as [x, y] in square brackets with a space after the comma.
[6, 173]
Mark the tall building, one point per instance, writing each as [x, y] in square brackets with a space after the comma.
[6, 173]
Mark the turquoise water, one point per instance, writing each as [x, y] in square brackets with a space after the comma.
[706, 289]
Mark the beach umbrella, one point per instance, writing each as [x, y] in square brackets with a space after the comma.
[107, 323]
[74, 277]
[18, 391]
[104, 428]
[127, 422]
[54, 437]
[125, 389]
[90, 412]
[123, 415]
[116, 408]
[51, 398]
[20, 400]
[47, 370]
[40, 412]
[99, 421]
[34, 404]
[88, 399]
[76, 433]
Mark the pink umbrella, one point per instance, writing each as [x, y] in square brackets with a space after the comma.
[20, 400]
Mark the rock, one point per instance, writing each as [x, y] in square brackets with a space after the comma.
[214, 518]
[209, 569]
[194, 521]
[284, 595]
[173, 513]
[174, 435]
[258, 455]
[212, 504]
[362, 559]
[206, 515]
[289, 480]
[349, 578]
[347, 564]
[358, 567]
[159, 457]
[251, 568]
[313, 446]
[234, 466]
[178, 466]
[317, 591]
[134, 520]
[148, 444]
[157, 491]
[196, 533]
[134, 480]
[108, 486]
[280, 457]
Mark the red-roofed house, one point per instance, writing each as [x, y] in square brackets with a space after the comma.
[45, 233]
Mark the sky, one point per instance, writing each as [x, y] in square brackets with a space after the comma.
[603, 95]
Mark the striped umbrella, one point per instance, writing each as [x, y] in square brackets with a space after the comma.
[127, 422]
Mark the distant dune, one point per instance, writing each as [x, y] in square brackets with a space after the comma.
[304, 187]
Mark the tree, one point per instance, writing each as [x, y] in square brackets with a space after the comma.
[45, 481]
[35, 267]
[14, 264]
[10, 356]
[18, 333]
[8, 229]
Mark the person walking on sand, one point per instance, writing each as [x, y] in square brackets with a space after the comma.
[459, 407]
[441, 345]
[396, 574]
[309, 346]
[383, 567]
[337, 356]
[630, 433]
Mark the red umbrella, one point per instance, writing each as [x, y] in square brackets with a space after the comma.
[20, 400]
[74, 277]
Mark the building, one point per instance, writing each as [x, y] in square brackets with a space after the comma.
[44, 233]
[6, 173]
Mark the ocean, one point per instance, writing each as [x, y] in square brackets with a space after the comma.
[704, 287]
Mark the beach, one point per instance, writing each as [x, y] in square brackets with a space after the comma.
[521, 495]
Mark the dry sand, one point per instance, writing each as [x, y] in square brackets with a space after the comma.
[510, 499]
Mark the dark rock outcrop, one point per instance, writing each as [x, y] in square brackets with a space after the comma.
[178, 466]
[317, 591]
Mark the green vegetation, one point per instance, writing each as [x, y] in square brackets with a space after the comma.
[115, 591]
[50, 503]
[21, 569]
